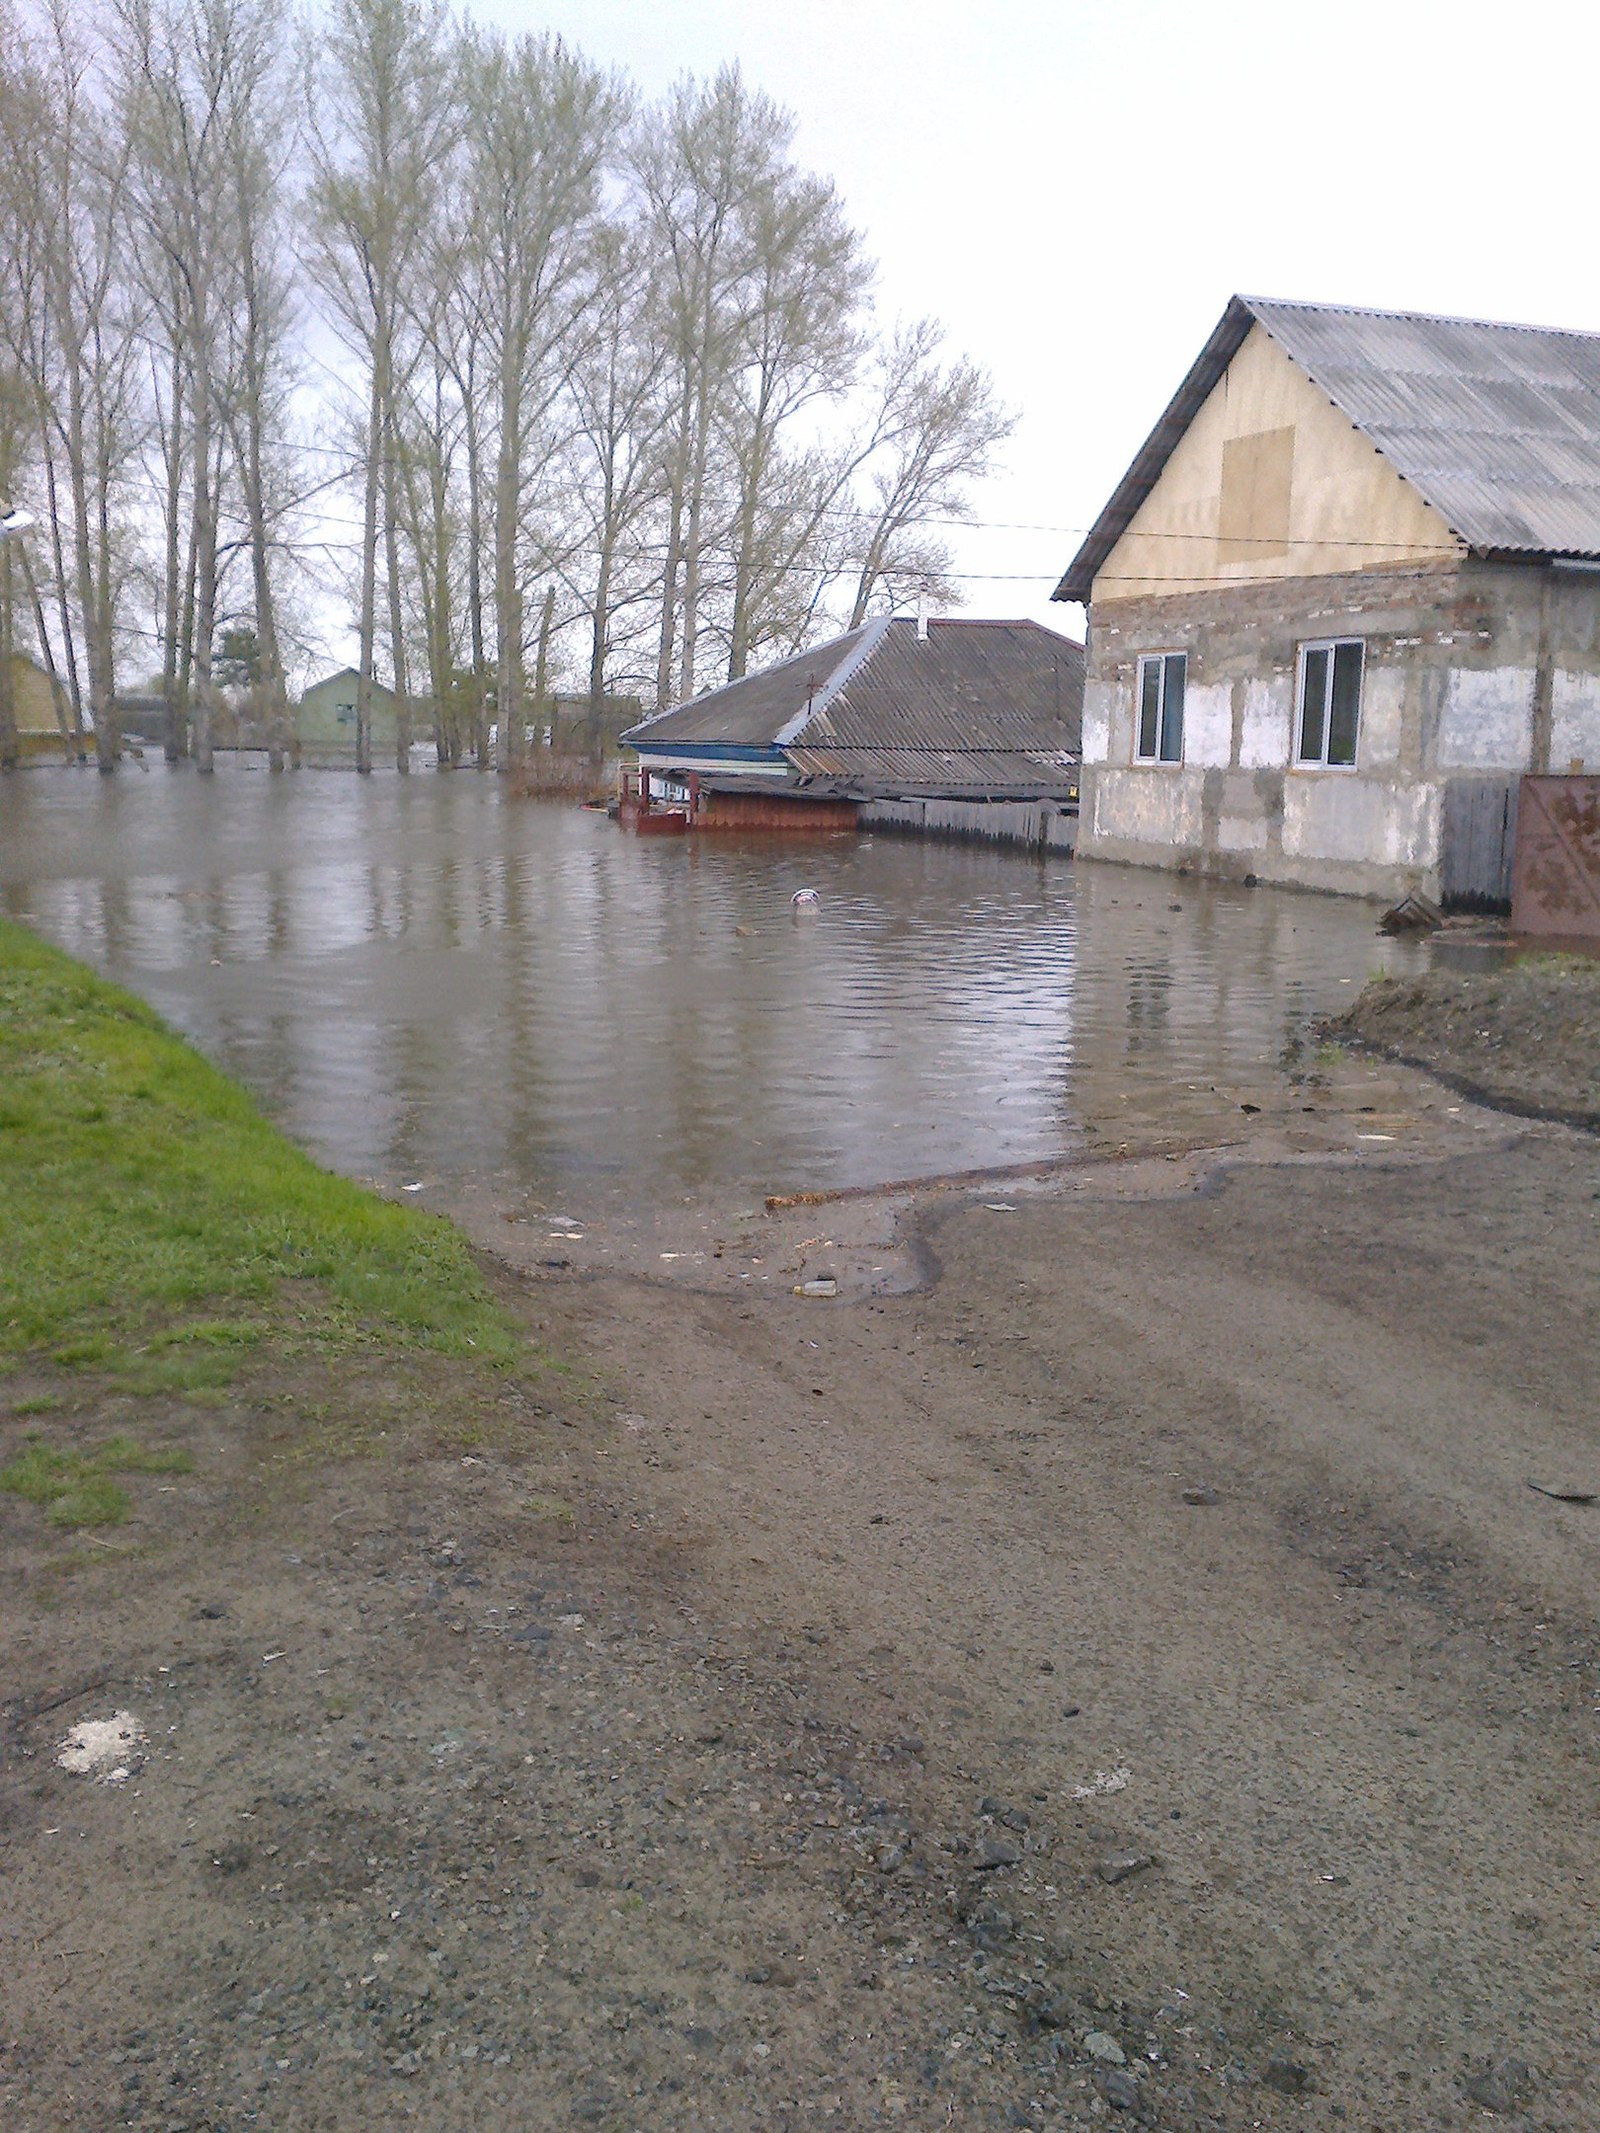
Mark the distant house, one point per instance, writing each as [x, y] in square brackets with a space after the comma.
[1347, 592]
[42, 709]
[954, 711]
[325, 720]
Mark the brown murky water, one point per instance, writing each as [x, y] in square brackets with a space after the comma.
[428, 980]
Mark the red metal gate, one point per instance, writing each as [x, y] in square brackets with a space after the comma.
[1555, 886]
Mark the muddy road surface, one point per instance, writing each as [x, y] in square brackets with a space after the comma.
[1128, 1679]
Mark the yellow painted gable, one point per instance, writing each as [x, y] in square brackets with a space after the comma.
[33, 697]
[1269, 480]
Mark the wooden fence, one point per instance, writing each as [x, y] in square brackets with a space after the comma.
[1041, 825]
[1477, 843]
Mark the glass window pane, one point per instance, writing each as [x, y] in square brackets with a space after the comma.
[1345, 714]
[1176, 665]
[1313, 703]
[1149, 706]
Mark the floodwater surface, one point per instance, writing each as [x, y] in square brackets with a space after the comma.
[429, 978]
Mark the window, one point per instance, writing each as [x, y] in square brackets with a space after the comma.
[1160, 735]
[1329, 702]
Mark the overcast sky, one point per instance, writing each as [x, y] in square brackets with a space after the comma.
[1076, 189]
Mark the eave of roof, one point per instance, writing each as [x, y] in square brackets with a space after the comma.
[1226, 339]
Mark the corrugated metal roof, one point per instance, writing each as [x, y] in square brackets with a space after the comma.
[973, 706]
[1497, 426]
[758, 707]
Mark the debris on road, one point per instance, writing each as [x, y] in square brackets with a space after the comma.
[1103, 1782]
[1561, 1494]
[109, 1750]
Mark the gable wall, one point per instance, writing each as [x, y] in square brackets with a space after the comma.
[1286, 446]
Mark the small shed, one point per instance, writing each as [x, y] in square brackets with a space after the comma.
[325, 720]
[42, 711]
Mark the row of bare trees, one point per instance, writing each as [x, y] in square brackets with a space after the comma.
[399, 323]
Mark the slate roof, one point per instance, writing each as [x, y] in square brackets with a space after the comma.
[974, 707]
[1496, 426]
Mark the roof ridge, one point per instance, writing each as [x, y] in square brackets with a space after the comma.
[843, 673]
[1424, 318]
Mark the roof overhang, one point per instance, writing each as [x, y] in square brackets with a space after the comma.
[1227, 337]
[725, 758]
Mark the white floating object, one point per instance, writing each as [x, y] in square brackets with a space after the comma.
[103, 1748]
[805, 896]
[414, 1188]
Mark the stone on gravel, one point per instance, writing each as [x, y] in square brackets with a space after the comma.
[992, 1855]
[1119, 2089]
[1122, 1866]
[1200, 1495]
[1287, 2076]
[1101, 2045]
[1502, 2086]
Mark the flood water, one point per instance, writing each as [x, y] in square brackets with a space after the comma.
[429, 978]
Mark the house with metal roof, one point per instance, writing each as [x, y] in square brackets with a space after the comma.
[1347, 593]
[980, 714]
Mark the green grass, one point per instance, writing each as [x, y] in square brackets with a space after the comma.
[76, 1488]
[152, 1222]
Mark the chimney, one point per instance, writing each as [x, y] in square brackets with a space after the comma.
[922, 616]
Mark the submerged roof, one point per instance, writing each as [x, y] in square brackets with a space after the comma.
[992, 707]
[1496, 426]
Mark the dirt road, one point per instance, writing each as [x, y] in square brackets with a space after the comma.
[1128, 1680]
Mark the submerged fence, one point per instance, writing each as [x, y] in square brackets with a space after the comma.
[1042, 825]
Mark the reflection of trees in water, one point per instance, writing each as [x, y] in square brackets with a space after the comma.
[469, 985]
[1149, 1007]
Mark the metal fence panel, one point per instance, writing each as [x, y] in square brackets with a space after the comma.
[1557, 888]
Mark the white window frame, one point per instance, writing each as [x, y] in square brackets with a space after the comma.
[1160, 661]
[1332, 646]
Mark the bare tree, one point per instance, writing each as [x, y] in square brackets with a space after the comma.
[202, 94]
[544, 127]
[700, 162]
[386, 115]
[70, 326]
[615, 458]
[934, 434]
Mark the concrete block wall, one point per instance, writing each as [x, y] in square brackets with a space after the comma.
[1471, 670]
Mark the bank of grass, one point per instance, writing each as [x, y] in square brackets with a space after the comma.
[1524, 1037]
[155, 1227]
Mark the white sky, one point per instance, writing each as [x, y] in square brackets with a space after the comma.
[1076, 189]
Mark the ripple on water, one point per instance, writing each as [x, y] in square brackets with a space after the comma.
[427, 976]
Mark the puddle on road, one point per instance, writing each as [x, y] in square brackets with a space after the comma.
[593, 1048]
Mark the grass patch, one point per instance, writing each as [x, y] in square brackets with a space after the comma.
[41, 1403]
[77, 1488]
[152, 1219]
[551, 1509]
